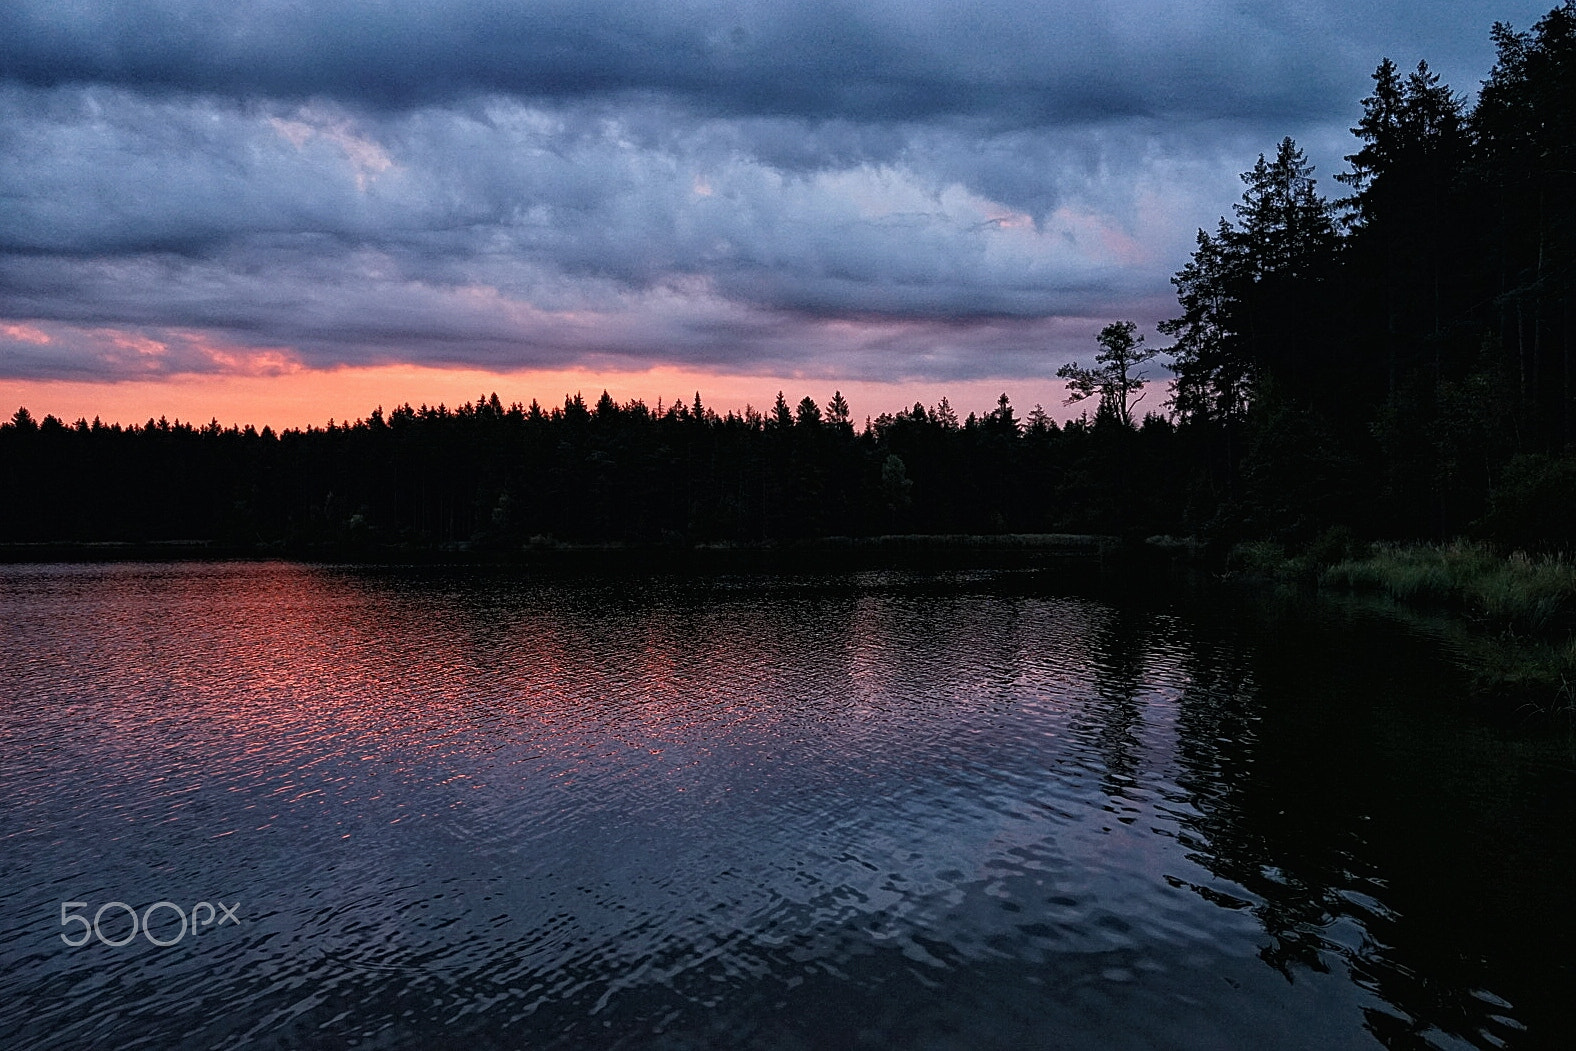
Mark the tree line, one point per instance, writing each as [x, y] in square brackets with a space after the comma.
[492, 474]
[1394, 362]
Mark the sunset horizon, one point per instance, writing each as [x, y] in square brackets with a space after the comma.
[301, 398]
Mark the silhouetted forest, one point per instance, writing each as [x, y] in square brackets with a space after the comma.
[1395, 362]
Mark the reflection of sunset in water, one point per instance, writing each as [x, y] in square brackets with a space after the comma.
[479, 804]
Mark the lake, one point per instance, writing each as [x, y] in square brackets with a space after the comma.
[478, 808]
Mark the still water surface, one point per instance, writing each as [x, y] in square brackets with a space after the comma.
[477, 809]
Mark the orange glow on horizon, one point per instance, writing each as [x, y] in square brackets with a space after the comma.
[313, 397]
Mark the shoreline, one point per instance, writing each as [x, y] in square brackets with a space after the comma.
[904, 551]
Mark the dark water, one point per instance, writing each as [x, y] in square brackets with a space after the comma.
[473, 810]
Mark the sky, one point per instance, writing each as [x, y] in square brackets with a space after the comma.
[284, 211]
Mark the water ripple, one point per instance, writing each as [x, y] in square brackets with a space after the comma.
[475, 809]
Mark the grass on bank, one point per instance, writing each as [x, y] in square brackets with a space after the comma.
[1527, 603]
[1530, 593]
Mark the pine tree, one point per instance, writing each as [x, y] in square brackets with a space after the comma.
[1215, 370]
[837, 410]
[1285, 227]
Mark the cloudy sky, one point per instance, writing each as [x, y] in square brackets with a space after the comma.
[312, 206]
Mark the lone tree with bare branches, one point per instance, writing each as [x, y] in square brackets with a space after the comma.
[1115, 376]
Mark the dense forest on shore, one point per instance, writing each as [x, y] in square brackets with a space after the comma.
[1394, 363]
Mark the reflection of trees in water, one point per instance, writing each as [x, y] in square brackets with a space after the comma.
[1340, 828]
[1118, 644]
[1277, 754]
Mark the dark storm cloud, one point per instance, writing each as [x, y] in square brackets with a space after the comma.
[878, 189]
[259, 221]
[1018, 62]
